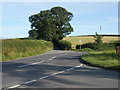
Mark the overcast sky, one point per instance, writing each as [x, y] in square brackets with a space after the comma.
[88, 16]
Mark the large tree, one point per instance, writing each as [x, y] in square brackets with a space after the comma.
[51, 25]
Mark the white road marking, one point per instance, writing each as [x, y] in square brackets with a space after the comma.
[14, 86]
[48, 76]
[35, 63]
[22, 66]
[50, 59]
[69, 69]
[30, 81]
[79, 65]
[60, 72]
[53, 57]
[44, 77]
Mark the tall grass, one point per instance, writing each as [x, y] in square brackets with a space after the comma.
[13, 49]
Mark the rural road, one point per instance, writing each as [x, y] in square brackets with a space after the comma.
[55, 69]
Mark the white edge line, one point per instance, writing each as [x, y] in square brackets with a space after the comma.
[14, 86]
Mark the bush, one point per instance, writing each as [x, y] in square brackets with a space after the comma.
[84, 50]
[117, 43]
[64, 45]
[94, 46]
[77, 47]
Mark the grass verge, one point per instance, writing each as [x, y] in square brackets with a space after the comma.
[14, 49]
[104, 59]
[83, 50]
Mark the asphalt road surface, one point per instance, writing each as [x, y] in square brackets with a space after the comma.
[55, 69]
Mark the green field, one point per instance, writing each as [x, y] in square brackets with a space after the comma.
[87, 39]
[104, 59]
[13, 49]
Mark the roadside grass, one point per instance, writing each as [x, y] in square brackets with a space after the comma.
[13, 49]
[83, 50]
[88, 39]
[104, 59]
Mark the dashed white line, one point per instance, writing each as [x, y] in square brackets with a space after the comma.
[44, 77]
[47, 76]
[69, 69]
[30, 81]
[61, 71]
[14, 86]
[35, 63]
[22, 66]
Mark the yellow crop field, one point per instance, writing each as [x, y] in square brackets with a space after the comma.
[87, 39]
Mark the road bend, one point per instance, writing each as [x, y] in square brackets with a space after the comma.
[55, 69]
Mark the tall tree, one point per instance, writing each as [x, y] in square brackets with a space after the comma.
[98, 40]
[51, 25]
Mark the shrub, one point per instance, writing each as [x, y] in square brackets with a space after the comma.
[64, 45]
[94, 46]
[77, 47]
[117, 43]
[85, 50]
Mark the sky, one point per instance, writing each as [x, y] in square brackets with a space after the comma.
[87, 17]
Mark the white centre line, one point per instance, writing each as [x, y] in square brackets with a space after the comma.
[60, 72]
[47, 76]
[44, 77]
[14, 86]
[35, 63]
[30, 81]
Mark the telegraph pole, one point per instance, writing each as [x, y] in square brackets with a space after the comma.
[100, 29]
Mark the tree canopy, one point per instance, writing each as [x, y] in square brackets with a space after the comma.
[50, 25]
